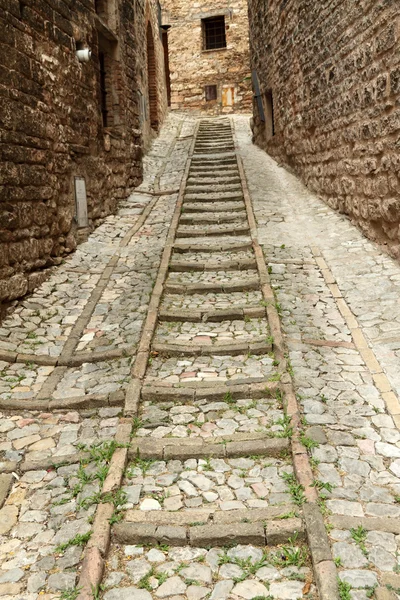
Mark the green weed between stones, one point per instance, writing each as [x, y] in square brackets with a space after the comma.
[322, 486]
[285, 422]
[144, 583]
[338, 561]
[96, 590]
[359, 535]
[143, 464]
[78, 540]
[275, 377]
[100, 454]
[296, 490]
[308, 442]
[70, 593]
[344, 590]
[290, 555]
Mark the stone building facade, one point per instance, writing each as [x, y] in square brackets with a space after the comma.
[62, 119]
[208, 55]
[327, 77]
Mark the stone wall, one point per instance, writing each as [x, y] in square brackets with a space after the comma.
[192, 67]
[329, 79]
[52, 128]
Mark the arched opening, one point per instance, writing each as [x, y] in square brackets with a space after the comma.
[152, 78]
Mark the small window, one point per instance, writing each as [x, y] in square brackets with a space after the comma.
[211, 92]
[214, 33]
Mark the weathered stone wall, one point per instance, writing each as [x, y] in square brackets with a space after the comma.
[192, 67]
[333, 68]
[51, 125]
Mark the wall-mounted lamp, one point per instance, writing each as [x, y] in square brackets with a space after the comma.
[84, 54]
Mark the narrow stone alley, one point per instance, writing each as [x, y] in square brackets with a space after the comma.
[202, 401]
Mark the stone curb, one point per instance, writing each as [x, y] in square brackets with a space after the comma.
[72, 361]
[213, 349]
[324, 567]
[265, 389]
[217, 197]
[227, 314]
[208, 516]
[244, 264]
[170, 448]
[202, 536]
[194, 288]
[196, 208]
[210, 231]
[181, 247]
[387, 524]
[73, 403]
[219, 218]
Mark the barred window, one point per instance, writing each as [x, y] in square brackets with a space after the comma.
[214, 33]
[211, 92]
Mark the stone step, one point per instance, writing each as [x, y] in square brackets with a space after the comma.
[212, 245]
[177, 266]
[214, 148]
[210, 170]
[215, 187]
[260, 346]
[214, 159]
[179, 532]
[222, 229]
[208, 391]
[214, 196]
[213, 180]
[215, 207]
[213, 218]
[203, 316]
[195, 288]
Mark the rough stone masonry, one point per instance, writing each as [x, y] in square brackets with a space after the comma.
[209, 55]
[329, 84]
[61, 119]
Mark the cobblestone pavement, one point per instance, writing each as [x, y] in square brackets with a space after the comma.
[338, 295]
[146, 393]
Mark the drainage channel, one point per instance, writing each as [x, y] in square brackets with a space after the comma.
[218, 500]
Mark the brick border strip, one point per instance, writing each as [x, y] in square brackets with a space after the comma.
[324, 566]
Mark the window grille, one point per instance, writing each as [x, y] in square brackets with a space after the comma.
[214, 36]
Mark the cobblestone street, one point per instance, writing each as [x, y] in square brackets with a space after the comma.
[202, 400]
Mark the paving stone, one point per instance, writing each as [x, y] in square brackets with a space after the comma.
[172, 587]
[250, 589]
[359, 578]
[127, 593]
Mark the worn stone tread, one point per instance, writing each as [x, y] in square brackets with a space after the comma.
[232, 349]
[195, 288]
